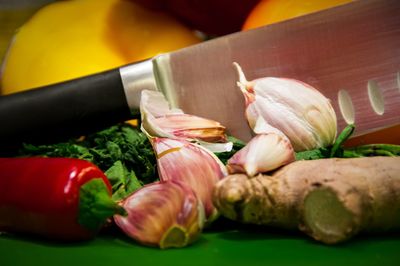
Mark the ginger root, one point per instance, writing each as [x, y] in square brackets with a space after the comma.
[331, 200]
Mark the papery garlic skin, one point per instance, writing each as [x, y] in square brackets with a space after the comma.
[154, 103]
[191, 164]
[191, 127]
[263, 153]
[164, 214]
[158, 120]
[297, 109]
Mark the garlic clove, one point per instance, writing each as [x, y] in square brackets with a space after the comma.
[191, 164]
[192, 127]
[263, 153]
[162, 214]
[293, 107]
[154, 103]
[262, 127]
[159, 120]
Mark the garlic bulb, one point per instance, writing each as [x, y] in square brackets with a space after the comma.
[263, 153]
[293, 107]
[161, 121]
[191, 164]
[163, 214]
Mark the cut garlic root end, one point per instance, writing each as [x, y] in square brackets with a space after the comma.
[162, 214]
[175, 237]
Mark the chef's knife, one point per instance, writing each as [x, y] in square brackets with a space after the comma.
[350, 52]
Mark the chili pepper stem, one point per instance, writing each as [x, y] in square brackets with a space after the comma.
[96, 205]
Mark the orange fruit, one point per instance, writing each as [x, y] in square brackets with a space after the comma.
[271, 11]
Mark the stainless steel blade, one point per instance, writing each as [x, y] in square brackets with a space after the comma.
[343, 48]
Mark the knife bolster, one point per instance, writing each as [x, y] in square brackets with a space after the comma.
[136, 78]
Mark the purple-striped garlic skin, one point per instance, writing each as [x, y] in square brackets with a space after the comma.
[158, 120]
[191, 164]
[192, 127]
[162, 214]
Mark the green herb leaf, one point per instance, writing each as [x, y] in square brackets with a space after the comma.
[313, 154]
[123, 182]
[121, 151]
[237, 145]
[336, 149]
[372, 150]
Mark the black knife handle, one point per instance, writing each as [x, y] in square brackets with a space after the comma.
[69, 108]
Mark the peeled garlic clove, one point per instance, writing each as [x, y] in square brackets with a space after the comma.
[163, 214]
[295, 108]
[158, 120]
[263, 153]
[191, 164]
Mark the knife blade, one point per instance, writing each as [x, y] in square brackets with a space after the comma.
[353, 49]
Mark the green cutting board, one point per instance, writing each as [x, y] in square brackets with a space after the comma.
[224, 244]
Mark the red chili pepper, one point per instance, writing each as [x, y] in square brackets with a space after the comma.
[58, 198]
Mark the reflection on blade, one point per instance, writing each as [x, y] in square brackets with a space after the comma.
[343, 48]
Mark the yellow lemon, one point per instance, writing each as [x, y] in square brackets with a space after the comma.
[69, 39]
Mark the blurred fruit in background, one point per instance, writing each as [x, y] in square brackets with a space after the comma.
[213, 17]
[12, 15]
[271, 11]
[69, 39]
